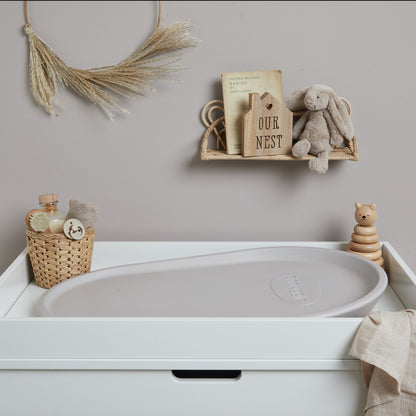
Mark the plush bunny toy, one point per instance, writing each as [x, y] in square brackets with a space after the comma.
[324, 125]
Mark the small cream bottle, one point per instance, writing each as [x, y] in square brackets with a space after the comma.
[49, 204]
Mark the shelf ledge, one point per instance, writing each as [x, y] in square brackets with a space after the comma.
[349, 152]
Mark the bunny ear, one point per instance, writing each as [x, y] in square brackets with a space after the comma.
[335, 137]
[295, 101]
[340, 116]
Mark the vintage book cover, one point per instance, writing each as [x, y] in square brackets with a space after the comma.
[236, 87]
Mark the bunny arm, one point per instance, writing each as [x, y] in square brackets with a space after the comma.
[336, 139]
[300, 125]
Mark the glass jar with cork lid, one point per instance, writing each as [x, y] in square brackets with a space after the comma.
[49, 204]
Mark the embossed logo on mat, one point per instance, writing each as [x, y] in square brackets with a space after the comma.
[296, 289]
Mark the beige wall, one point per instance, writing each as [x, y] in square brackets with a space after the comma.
[144, 170]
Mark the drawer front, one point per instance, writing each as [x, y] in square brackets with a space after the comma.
[180, 393]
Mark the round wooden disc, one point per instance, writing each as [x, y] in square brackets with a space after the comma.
[379, 261]
[364, 239]
[364, 248]
[360, 230]
[371, 256]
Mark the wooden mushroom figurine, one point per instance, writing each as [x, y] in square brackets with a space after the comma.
[364, 240]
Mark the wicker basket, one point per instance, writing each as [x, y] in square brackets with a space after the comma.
[56, 258]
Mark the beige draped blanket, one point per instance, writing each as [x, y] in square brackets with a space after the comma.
[386, 345]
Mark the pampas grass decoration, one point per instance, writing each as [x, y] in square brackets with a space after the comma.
[101, 85]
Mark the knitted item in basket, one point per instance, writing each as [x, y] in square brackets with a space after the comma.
[55, 257]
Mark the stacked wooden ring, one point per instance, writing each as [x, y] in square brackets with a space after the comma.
[364, 241]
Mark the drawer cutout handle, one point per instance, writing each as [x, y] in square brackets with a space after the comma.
[207, 374]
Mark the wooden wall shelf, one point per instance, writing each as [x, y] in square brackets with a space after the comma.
[349, 152]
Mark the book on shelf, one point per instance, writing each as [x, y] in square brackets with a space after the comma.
[236, 87]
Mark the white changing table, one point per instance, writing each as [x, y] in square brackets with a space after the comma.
[126, 366]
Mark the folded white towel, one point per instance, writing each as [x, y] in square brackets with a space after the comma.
[386, 345]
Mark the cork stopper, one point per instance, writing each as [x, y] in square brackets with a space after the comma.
[48, 198]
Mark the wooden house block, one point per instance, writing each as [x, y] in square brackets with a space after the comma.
[267, 127]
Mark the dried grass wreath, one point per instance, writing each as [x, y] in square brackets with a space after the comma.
[128, 78]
